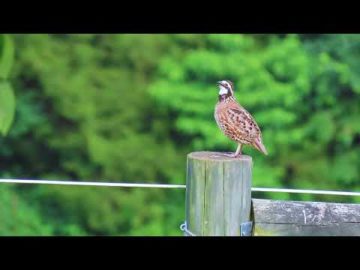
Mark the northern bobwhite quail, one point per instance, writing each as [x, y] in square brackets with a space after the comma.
[235, 122]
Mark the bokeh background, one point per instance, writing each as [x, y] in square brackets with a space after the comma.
[128, 108]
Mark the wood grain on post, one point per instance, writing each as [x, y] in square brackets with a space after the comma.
[288, 218]
[218, 193]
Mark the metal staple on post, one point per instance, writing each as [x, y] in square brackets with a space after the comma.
[183, 227]
[246, 228]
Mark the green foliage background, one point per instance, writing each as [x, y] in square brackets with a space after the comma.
[128, 108]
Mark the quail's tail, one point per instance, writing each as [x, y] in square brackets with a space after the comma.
[260, 146]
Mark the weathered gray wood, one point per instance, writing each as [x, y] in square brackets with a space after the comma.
[194, 196]
[232, 187]
[287, 218]
[336, 229]
[218, 193]
[214, 199]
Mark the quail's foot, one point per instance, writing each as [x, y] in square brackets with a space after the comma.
[233, 155]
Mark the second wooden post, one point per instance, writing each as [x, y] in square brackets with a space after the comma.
[218, 193]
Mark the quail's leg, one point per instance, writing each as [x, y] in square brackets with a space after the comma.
[237, 153]
[238, 150]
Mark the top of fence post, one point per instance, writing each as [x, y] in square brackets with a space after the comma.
[218, 193]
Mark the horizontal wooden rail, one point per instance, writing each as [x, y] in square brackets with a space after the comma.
[290, 218]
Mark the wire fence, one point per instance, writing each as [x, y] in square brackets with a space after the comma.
[171, 186]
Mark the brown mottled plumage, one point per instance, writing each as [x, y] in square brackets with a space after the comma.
[235, 122]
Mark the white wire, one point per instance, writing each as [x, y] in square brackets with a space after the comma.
[78, 183]
[143, 185]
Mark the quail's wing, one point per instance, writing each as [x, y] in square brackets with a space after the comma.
[243, 122]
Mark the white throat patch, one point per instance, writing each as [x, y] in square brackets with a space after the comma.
[223, 90]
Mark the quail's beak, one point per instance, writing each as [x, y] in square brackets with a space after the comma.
[218, 83]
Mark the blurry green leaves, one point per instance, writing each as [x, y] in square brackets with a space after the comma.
[90, 116]
[171, 69]
[19, 217]
[287, 61]
[6, 56]
[7, 98]
[230, 42]
[318, 123]
[7, 107]
[345, 169]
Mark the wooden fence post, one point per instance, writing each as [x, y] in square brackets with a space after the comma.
[218, 193]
